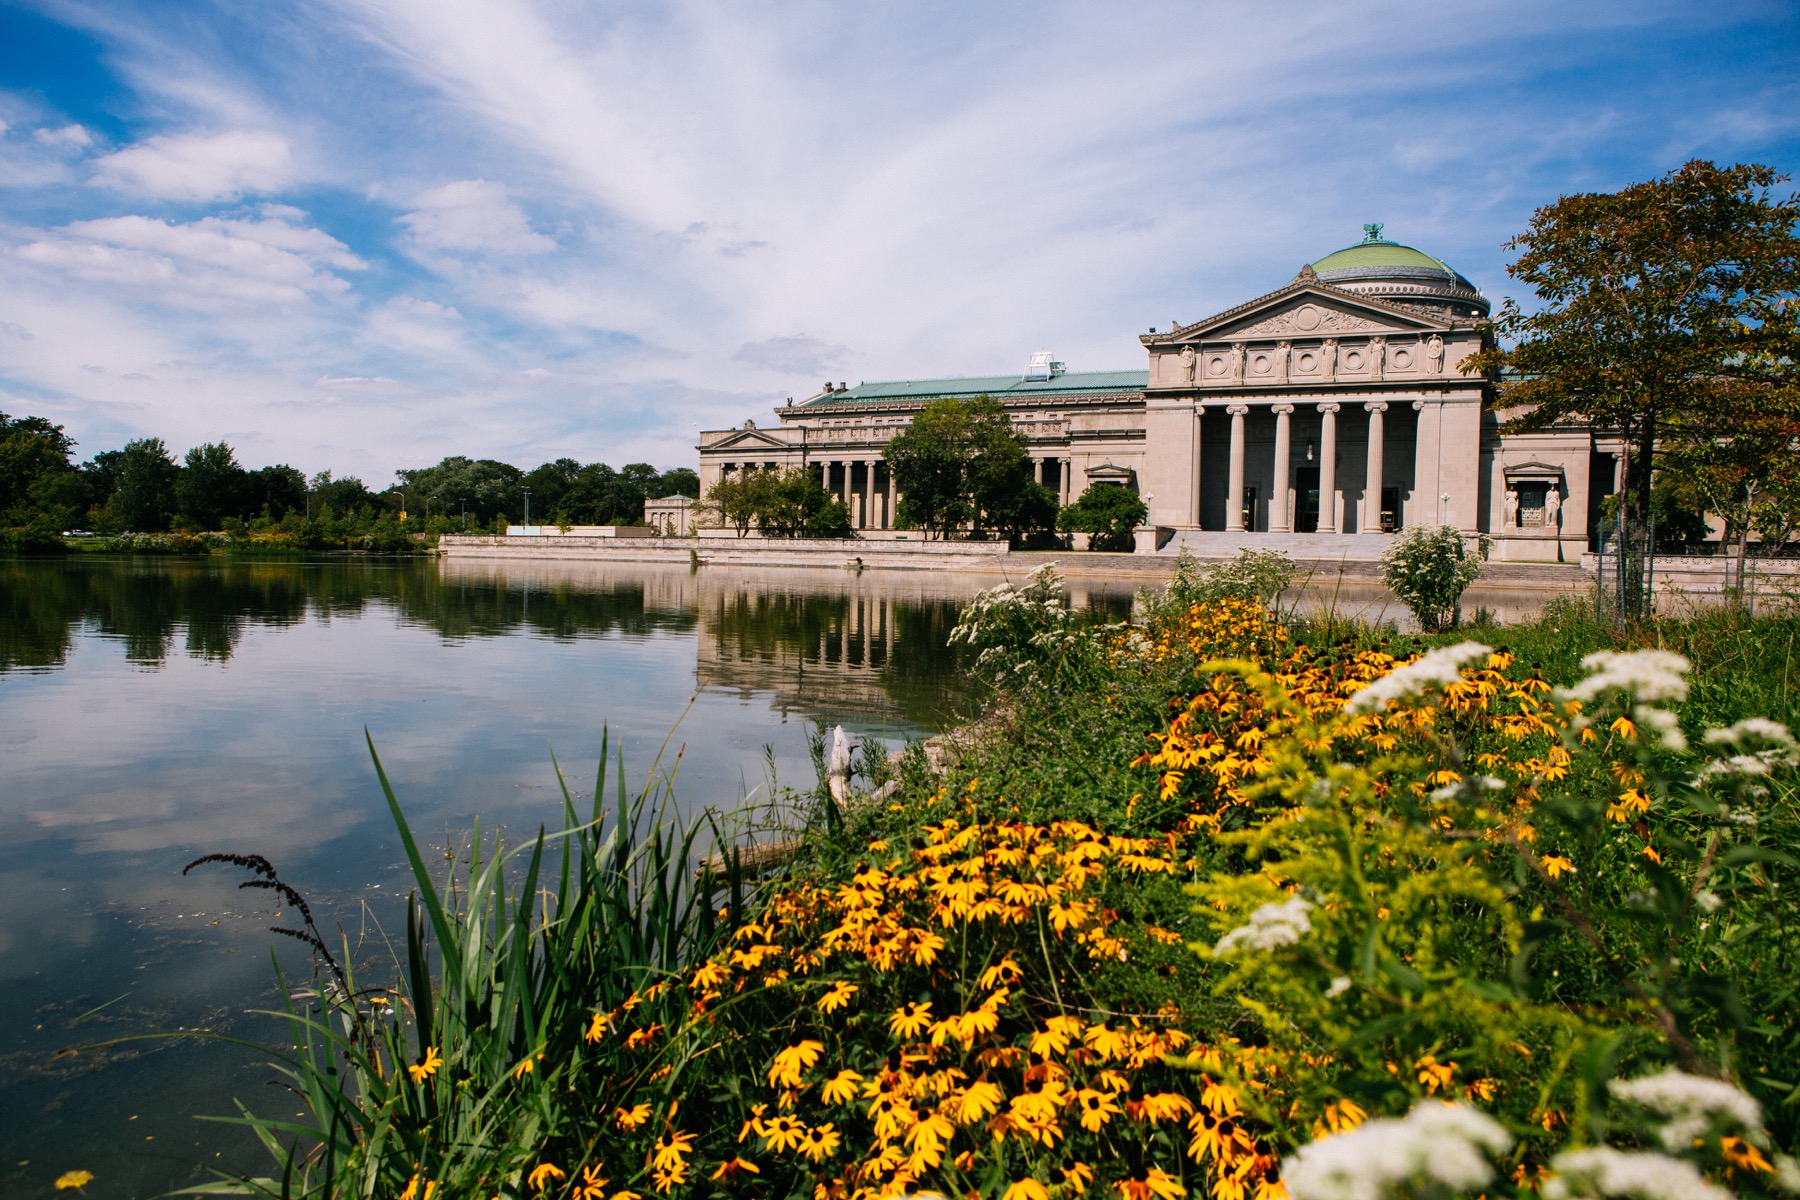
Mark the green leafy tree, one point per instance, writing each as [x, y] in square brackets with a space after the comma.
[678, 481]
[794, 503]
[961, 463]
[144, 499]
[486, 487]
[277, 491]
[31, 449]
[343, 498]
[1109, 512]
[738, 498]
[212, 487]
[1658, 303]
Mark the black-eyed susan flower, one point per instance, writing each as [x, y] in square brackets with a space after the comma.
[427, 1065]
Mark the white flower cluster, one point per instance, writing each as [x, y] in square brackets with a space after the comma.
[1761, 745]
[1440, 666]
[1691, 1103]
[1448, 1145]
[1270, 926]
[1603, 1171]
[1649, 678]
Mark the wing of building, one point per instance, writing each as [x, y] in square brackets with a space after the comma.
[1318, 418]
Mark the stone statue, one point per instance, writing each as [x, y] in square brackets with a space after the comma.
[1237, 362]
[749, 424]
[1187, 364]
[1511, 508]
[1434, 354]
[1377, 356]
[1284, 357]
[1552, 506]
[1328, 359]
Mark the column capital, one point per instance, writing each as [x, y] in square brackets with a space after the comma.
[1281, 409]
[1376, 406]
[1329, 408]
[1237, 410]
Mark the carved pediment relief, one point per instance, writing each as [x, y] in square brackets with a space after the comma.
[1303, 320]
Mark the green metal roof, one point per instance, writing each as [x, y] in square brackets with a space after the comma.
[1376, 258]
[1000, 387]
[1364, 255]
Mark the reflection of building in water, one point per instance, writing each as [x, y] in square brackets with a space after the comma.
[826, 644]
[843, 647]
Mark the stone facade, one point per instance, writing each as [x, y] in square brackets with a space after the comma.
[1322, 416]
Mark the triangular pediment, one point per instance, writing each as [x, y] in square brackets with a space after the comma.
[1303, 309]
[754, 439]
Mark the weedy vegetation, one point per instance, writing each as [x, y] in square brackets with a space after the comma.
[1219, 904]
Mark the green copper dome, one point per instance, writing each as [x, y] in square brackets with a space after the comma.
[1386, 268]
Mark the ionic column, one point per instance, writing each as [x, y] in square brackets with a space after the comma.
[1328, 518]
[891, 498]
[1371, 522]
[1281, 517]
[1234, 482]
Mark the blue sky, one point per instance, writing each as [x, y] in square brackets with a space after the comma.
[364, 234]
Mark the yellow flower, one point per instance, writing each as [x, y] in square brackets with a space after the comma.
[544, 1174]
[1157, 1185]
[1433, 1074]
[978, 1101]
[910, 1020]
[819, 1143]
[1739, 1153]
[842, 1087]
[1163, 1106]
[427, 1065]
[731, 1168]
[591, 1187]
[628, 1119]
[782, 1133]
[1078, 1175]
[671, 1151]
[791, 1062]
[597, 1027]
[1624, 728]
[1555, 865]
[73, 1179]
[1027, 1189]
[838, 997]
[1096, 1108]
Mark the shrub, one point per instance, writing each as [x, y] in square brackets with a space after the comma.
[1429, 567]
[1258, 576]
[1108, 511]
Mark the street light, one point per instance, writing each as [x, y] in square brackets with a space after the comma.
[527, 512]
[463, 500]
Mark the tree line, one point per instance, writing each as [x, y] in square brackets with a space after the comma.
[144, 489]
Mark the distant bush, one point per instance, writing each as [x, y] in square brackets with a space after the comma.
[166, 543]
[1256, 575]
[1429, 568]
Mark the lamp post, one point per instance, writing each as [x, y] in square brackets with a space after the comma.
[527, 512]
[464, 501]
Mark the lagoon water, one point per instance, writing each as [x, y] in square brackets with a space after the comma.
[155, 711]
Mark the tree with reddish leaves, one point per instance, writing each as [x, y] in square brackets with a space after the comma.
[1663, 307]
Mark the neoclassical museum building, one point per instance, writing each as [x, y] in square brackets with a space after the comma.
[1318, 418]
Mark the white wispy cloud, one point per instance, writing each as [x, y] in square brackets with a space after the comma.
[269, 259]
[195, 166]
[472, 216]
